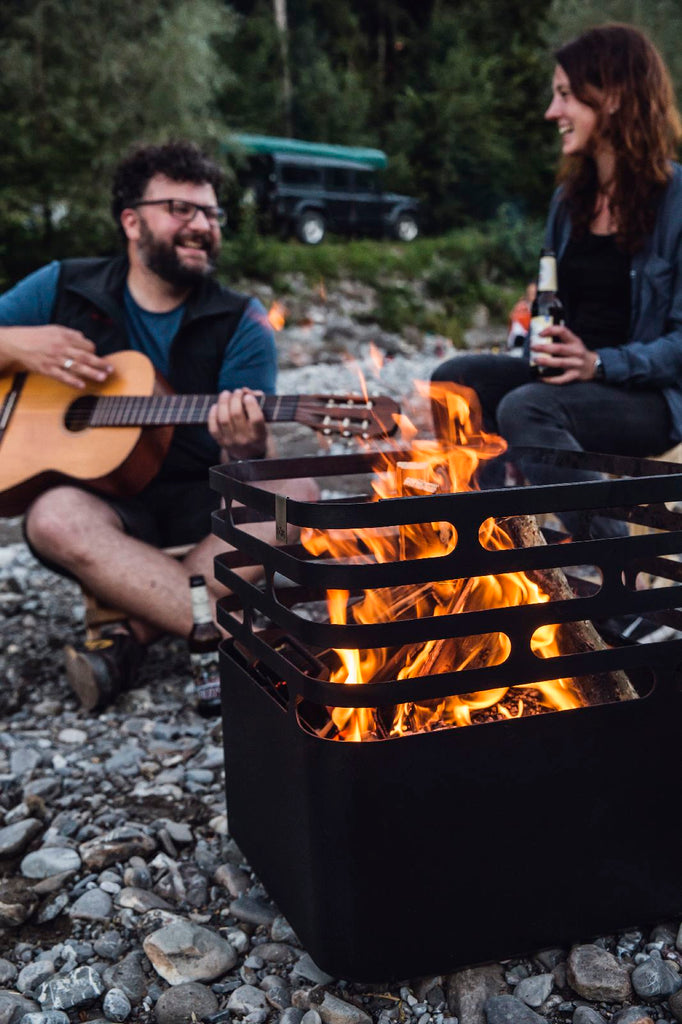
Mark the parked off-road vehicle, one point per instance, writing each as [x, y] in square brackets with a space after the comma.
[308, 189]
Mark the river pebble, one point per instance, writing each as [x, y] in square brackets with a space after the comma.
[33, 975]
[509, 1010]
[50, 861]
[184, 1003]
[116, 1005]
[596, 974]
[655, 979]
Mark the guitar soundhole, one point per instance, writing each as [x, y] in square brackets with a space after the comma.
[79, 413]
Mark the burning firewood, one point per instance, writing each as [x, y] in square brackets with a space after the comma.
[575, 637]
[435, 468]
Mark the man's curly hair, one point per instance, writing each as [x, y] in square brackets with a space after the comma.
[178, 160]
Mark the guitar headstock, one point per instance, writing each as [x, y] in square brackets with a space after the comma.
[349, 415]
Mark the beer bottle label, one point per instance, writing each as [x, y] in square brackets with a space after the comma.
[537, 325]
[206, 675]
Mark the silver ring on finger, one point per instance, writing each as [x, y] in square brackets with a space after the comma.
[67, 364]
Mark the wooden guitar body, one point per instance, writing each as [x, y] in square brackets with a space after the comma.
[113, 437]
[38, 450]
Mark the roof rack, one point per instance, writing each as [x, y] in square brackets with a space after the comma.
[297, 147]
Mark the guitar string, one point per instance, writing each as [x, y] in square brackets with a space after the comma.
[116, 410]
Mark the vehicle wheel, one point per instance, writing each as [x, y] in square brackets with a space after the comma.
[406, 228]
[310, 227]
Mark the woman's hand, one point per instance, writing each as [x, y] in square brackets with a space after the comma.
[565, 351]
[54, 351]
[237, 423]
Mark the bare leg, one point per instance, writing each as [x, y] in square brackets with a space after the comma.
[81, 533]
[201, 558]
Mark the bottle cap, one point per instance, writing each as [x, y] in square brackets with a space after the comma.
[197, 581]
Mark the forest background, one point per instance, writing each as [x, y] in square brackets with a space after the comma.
[452, 90]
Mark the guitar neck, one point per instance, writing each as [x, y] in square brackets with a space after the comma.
[173, 410]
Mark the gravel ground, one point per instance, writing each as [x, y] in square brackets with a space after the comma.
[122, 895]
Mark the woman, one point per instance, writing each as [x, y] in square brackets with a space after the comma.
[615, 224]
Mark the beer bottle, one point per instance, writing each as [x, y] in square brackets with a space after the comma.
[545, 311]
[202, 644]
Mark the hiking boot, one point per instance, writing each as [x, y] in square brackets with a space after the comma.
[98, 670]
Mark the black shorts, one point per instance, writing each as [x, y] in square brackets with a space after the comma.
[166, 513]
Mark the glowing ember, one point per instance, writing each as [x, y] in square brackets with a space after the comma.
[277, 315]
[433, 467]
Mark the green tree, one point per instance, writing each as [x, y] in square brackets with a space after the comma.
[444, 138]
[253, 100]
[468, 128]
[80, 81]
[332, 97]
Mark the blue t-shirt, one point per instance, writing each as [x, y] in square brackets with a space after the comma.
[250, 359]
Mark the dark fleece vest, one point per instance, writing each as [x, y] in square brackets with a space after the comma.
[90, 299]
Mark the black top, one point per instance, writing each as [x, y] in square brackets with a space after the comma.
[594, 286]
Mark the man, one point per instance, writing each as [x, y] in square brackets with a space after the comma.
[159, 298]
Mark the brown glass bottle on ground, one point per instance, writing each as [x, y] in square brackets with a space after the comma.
[545, 311]
[202, 644]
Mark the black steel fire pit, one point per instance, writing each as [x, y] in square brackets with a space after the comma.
[419, 853]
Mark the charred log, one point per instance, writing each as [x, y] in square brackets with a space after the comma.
[574, 637]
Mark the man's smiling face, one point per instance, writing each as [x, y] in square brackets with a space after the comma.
[181, 253]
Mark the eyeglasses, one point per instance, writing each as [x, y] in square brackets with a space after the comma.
[186, 212]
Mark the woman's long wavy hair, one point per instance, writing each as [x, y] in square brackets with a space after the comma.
[616, 66]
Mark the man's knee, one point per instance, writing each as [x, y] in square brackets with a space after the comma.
[296, 488]
[57, 521]
[305, 489]
[46, 519]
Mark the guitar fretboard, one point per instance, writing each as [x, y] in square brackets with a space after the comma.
[170, 410]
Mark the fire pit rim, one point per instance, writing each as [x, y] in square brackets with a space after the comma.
[524, 665]
[237, 481]
[657, 687]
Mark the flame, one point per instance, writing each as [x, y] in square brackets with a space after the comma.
[432, 467]
[277, 315]
[353, 364]
[377, 357]
[363, 383]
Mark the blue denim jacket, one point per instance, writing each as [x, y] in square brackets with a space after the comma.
[653, 355]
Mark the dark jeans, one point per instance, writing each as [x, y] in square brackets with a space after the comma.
[581, 416]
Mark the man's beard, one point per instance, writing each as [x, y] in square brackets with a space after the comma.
[162, 259]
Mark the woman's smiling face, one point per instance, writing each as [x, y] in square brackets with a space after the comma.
[576, 121]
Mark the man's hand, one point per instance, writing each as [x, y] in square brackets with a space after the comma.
[55, 351]
[237, 423]
[567, 352]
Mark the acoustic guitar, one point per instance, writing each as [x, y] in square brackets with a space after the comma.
[114, 436]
